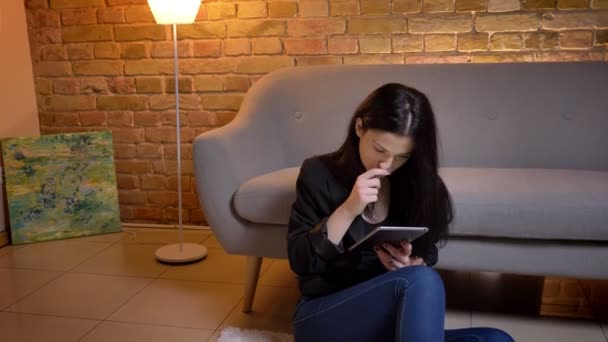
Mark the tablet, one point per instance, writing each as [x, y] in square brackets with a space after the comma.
[392, 235]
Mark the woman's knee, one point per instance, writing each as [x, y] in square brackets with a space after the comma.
[420, 274]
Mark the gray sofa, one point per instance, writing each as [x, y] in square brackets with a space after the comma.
[524, 155]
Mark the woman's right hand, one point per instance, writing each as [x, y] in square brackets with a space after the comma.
[365, 191]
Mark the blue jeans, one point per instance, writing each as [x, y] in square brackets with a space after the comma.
[403, 305]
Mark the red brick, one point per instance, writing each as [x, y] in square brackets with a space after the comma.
[128, 135]
[66, 119]
[171, 215]
[107, 50]
[53, 53]
[236, 83]
[164, 198]
[82, 16]
[305, 46]
[36, 4]
[127, 181]
[168, 119]
[168, 134]
[132, 166]
[319, 60]
[267, 45]
[165, 49]
[131, 196]
[93, 119]
[197, 217]
[316, 27]
[146, 119]
[45, 35]
[45, 18]
[207, 48]
[80, 51]
[121, 85]
[139, 14]
[126, 212]
[169, 167]
[69, 86]
[124, 151]
[436, 59]
[153, 182]
[342, 46]
[93, 85]
[172, 183]
[170, 151]
[189, 200]
[124, 119]
[51, 69]
[147, 213]
[149, 151]
[202, 118]
[112, 15]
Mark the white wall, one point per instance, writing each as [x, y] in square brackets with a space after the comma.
[18, 111]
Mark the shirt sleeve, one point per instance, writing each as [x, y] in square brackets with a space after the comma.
[309, 249]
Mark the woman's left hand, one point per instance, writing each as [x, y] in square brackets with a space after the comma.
[397, 257]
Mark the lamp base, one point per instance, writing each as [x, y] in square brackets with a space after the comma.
[190, 252]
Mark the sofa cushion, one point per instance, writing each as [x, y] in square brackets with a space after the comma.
[488, 202]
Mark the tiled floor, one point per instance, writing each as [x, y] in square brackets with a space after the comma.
[110, 288]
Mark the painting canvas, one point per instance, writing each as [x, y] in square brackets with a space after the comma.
[60, 186]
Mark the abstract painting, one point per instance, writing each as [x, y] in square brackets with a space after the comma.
[60, 186]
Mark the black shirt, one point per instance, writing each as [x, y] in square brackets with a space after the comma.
[321, 266]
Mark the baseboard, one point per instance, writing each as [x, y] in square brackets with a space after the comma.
[3, 238]
[162, 226]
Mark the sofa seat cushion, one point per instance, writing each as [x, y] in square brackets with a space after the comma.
[488, 202]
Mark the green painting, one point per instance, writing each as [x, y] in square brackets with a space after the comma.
[60, 186]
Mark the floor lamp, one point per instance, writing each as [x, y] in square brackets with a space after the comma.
[175, 12]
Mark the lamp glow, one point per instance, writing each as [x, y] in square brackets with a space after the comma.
[174, 11]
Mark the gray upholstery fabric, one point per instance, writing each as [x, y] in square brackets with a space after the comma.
[267, 198]
[511, 203]
[513, 115]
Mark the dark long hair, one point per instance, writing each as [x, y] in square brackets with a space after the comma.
[418, 195]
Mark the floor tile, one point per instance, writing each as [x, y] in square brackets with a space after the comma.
[605, 329]
[218, 266]
[9, 248]
[185, 304]
[128, 259]
[164, 236]
[267, 314]
[16, 284]
[129, 332]
[110, 237]
[18, 327]
[211, 242]
[215, 337]
[541, 329]
[457, 319]
[279, 274]
[81, 295]
[60, 255]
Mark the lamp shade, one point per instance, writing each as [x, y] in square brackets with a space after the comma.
[174, 11]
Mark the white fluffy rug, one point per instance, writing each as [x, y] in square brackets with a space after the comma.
[232, 334]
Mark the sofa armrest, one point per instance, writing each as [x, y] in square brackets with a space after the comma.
[223, 159]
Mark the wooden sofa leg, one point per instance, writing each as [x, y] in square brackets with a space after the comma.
[251, 282]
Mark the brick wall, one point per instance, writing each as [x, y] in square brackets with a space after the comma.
[105, 64]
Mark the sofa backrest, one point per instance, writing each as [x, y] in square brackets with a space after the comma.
[525, 115]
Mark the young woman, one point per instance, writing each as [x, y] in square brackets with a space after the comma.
[384, 173]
